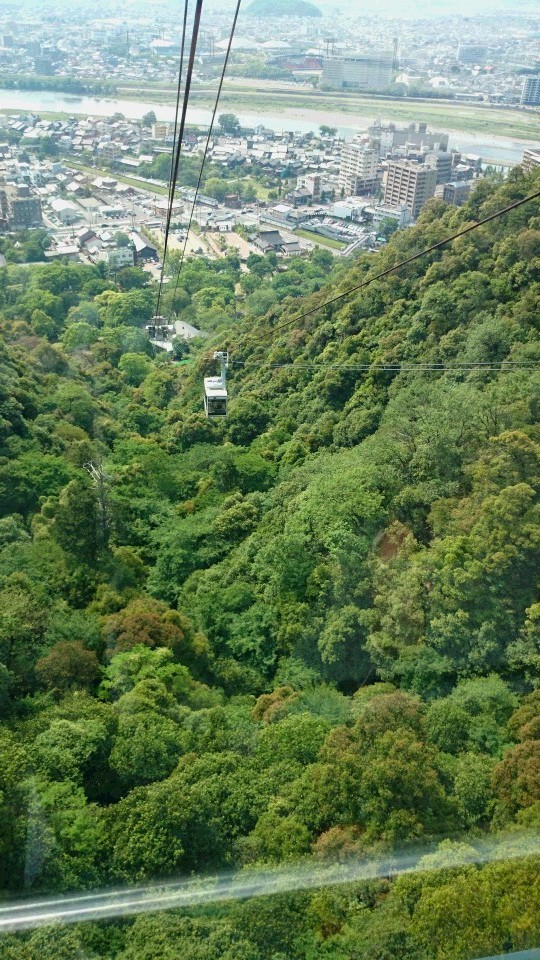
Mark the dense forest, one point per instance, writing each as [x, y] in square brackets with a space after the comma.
[310, 630]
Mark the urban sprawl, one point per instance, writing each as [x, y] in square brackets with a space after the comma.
[489, 58]
[282, 192]
[98, 185]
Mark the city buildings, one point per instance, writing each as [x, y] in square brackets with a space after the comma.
[350, 208]
[120, 257]
[144, 250]
[92, 52]
[359, 71]
[66, 210]
[471, 53]
[358, 168]
[63, 251]
[110, 151]
[44, 66]
[441, 161]
[312, 183]
[322, 185]
[20, 207]
[401, 215]
[531, 159]
[309, 189]
[414, 136]
[163, 131]
[530, 95]
[409, 184]
[456, 193]
[271, 241]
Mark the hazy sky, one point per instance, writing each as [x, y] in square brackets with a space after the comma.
[388, 8]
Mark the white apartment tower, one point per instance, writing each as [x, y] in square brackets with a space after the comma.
[358, 168]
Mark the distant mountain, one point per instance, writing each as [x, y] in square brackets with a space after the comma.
[283, 8]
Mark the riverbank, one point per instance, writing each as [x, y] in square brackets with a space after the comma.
[448, 116]
[322, 107]
[498, 135]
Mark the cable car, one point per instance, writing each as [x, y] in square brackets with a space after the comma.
[215, 389]
[159, 328]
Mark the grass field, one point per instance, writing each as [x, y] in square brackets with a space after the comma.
[323, 241]
[472, 118]
[43, 114]
[262, 191]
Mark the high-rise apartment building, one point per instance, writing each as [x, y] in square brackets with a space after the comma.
[530, 95]
[32, 47]
[441, 161]
[358, 71]
[20, 208]
[471, 53]
[43, 66]
[409, 184]
[358, 168]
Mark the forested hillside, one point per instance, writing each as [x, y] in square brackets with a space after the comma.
[311, 629]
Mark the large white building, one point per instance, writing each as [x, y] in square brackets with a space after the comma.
[530, 95]
[358, 71]
[358, 168]
[381, 212]
[120, 257]
[65, 210]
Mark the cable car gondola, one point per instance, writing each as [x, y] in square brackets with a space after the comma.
[159, 328]
[215, 389]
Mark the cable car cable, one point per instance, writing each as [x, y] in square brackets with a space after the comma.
[397, 266]
[187, 89]
[176, 113]
[212, 121]
[175, 166]
[178, 88]
[174, 144]
[500, 365]
[210, 129]
[513, 365]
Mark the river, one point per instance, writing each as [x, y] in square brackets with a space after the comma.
[493, 149]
